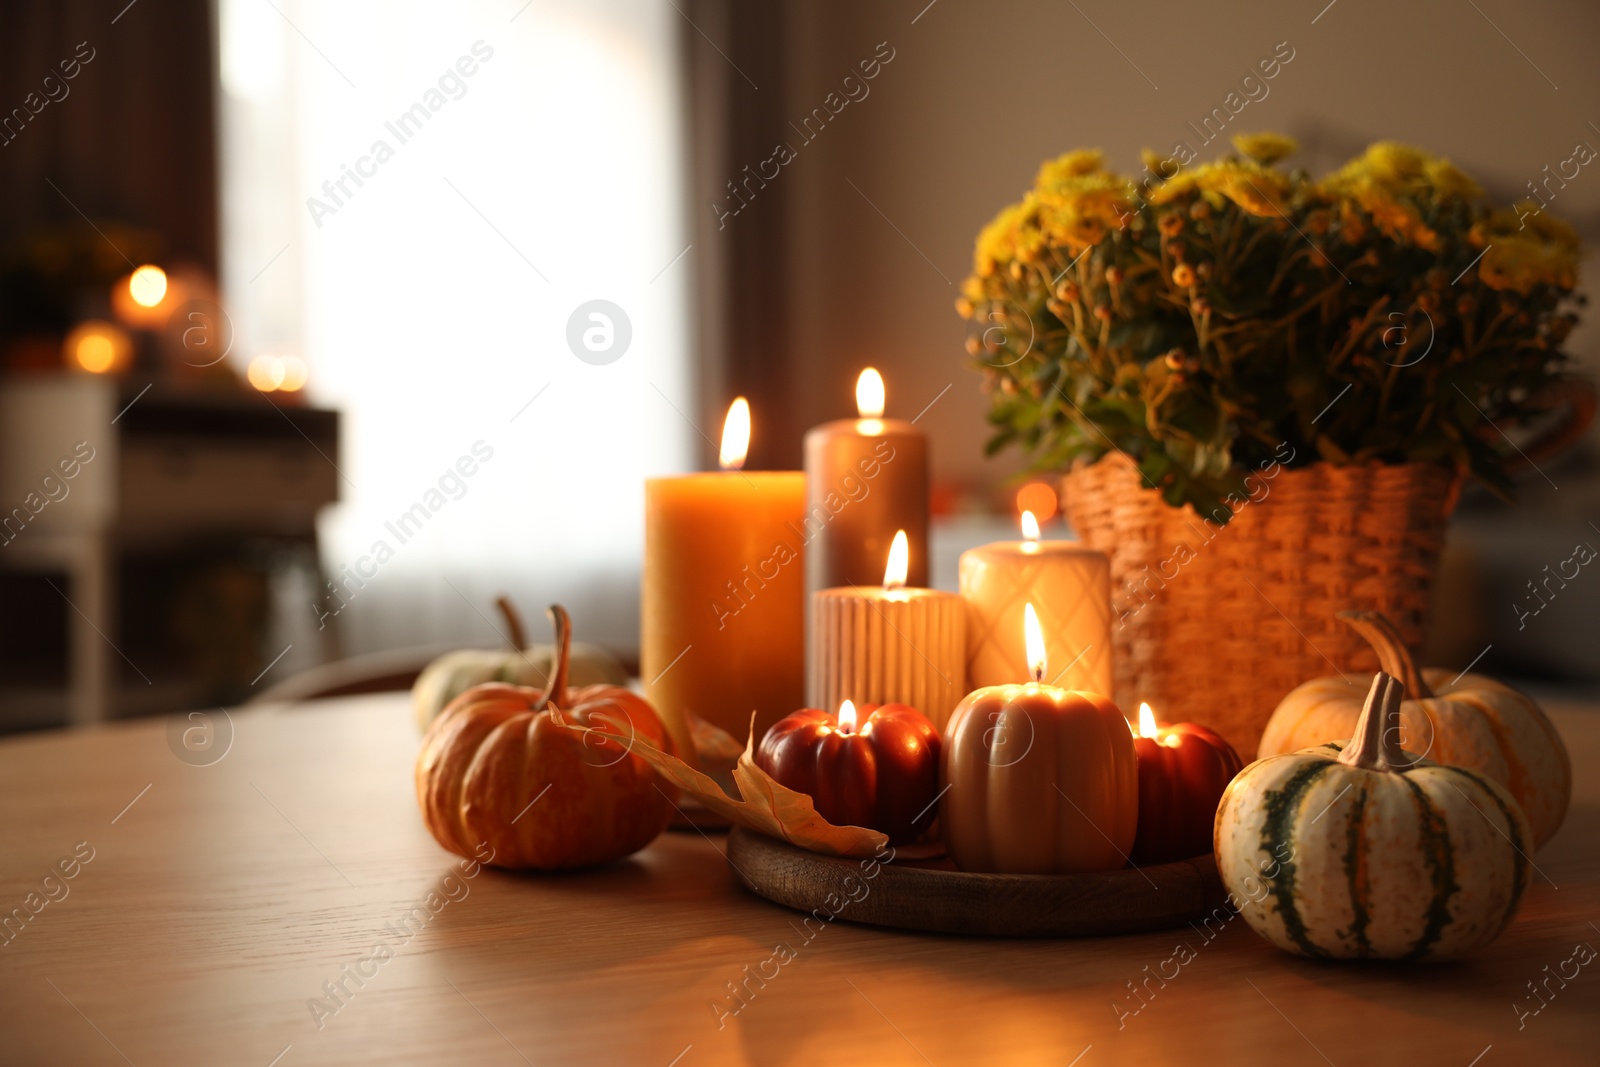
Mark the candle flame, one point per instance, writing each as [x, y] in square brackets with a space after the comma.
[870, 394]
[847, 717]
[1033, 641]
[1030, 527]
[147, 285]
[735, 435]
[894, 575]
[1147, 721]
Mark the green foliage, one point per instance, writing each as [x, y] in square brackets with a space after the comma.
[1204, 319]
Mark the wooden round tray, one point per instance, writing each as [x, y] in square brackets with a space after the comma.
[934, 896]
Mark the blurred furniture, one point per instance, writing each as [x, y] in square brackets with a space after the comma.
[392, 670]
[301, 851]
[167, 467]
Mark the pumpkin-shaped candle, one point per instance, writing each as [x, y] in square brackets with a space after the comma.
[1038, 779]
[1183, 770]
[878, 767]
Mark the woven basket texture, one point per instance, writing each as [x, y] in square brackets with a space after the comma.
[1215, 623]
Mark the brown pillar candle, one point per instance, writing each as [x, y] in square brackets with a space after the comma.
[866, 478]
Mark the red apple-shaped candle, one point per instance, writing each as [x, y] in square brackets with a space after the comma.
[878, 768]
[1183, 770]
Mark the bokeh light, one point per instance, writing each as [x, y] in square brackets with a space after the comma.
[274, 374]
[1038, 498]
[147, 286]
[97, 347]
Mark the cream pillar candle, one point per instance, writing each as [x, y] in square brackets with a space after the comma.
[888, 644]
[1070, 588]
[865, 479]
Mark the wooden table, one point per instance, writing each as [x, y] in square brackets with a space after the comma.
[221, 898]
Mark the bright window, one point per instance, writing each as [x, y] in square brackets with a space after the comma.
[417, 198]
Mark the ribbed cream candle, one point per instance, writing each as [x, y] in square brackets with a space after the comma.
[881, 646]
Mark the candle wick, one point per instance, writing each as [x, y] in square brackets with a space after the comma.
[1038, 674]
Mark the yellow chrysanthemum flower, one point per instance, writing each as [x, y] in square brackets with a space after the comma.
[1450, 182]
[1012, 235]
[1258, 190]
[1265, 148]
[1519, 263]
[1553, 231]
[1396, 219]
[1527, 248]
[1391, 162]
[1057, 172]
[1080, 210]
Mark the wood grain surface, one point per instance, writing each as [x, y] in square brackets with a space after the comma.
[935, 897]
[221, 898]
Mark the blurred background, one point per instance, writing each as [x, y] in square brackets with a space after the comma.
[287, 288]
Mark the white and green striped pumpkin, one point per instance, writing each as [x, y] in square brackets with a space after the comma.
[1357, 849]
[1460, 720]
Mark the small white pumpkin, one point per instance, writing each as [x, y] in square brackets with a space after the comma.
[455, 672]
[1356, 849]
[1459, 720]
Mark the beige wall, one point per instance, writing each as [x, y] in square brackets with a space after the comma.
[979, 92]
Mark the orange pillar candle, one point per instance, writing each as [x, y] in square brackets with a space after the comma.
[1070, 587]
[888, 644]
[723, 606]
[866, 478]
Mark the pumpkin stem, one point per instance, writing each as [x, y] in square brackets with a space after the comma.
[508, 612]
[1373, 748]
[1394, 658]
[556, 692]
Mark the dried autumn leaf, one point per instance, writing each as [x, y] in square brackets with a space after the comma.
[712, 743]
[765, 805]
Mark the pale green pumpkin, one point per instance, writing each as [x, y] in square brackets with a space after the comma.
[1459, 720]
[455, 672]
[1356, 849]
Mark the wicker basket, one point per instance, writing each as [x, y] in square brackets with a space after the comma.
[1215, 624]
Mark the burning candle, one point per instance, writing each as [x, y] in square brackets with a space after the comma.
[723, 612]
[1070, 586]
[866, 478]
[1038, 779]
[145, 299]
[878, 767]
[888, 644]
[1183, 771]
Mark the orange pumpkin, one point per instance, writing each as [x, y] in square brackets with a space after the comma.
[1459, 720]
[496, 769]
